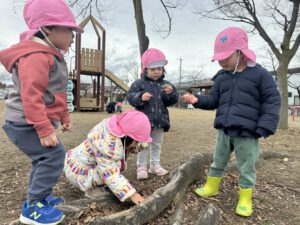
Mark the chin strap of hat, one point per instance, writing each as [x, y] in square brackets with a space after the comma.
[237, 62]
[40, 29]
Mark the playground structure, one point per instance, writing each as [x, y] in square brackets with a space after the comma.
[91, 62]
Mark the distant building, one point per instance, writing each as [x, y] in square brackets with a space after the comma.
[293, 93]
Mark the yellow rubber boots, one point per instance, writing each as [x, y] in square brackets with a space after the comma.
[244, 207]
[210, 188]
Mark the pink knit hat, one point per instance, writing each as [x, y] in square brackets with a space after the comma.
[230, 40]
[40, 13]
[153, 58]
[132, 123]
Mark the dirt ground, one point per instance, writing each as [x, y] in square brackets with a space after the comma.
[276, 197]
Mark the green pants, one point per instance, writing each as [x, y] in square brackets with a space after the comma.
[247, 152]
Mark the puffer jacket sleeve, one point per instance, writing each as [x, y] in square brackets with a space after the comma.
[170, 99]
[134, 95]
[106, 154]
[210, 101]
[270, 107]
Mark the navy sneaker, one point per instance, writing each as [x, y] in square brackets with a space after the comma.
[53, 200]
[41, 213]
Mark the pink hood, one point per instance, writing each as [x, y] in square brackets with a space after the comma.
[132, 123]
[9, 56]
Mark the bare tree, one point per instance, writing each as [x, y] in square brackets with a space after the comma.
[196, 75]
[98, 8]
[281, 16]
[140, 25]
[162, 25]
[164, 29]
[133, 69]
[94, 7]
[272, 63]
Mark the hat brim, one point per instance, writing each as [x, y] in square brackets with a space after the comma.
[222, 55]
[155, 64]
[73, 26]
[249, 54]
[148, 140]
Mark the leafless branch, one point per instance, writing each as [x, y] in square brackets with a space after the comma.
[294, 17]
[133, 69]
[95, 7]
[164, 29]
[165, 6]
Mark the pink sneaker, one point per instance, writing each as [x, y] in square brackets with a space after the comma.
[158, 170]
[142, 173]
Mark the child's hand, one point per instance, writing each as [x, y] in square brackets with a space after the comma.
[49, 141]
[189, 98]
[137, 198]
[146, 96]
[167, 88]
[66, 127]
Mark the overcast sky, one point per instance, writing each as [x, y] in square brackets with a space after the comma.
[191, 38]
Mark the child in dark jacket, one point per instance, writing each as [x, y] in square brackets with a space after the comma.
[247, 102]
[152, 95]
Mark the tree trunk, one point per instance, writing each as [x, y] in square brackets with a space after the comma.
[282, 72]
[140, 25]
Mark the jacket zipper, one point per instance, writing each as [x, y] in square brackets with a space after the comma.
[156, 104]
[231, 98]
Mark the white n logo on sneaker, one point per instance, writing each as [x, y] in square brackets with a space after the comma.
[35, 215]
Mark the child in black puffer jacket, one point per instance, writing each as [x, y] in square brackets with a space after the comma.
[152, 95]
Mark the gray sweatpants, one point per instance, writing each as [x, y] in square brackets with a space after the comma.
[154, 147]
[46, 163]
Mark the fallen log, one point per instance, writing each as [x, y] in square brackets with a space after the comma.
[174, 191]
[161, 198]
[179, 210]
[209, 216]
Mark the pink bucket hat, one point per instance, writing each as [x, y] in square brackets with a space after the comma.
[132, 123]
[153, 58]
[230, 40]
[40, 13]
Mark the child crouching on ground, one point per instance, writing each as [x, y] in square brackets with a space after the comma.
[100, 159]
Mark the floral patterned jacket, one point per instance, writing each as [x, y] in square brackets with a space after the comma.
[99, 160]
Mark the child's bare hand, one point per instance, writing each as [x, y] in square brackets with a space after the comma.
[146, 96]
[49, 141]
[167, 88]
[137, 198]
[189, 98]
[66, 127]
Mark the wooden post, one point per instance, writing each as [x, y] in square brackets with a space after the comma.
[78, 70]
[103, 72]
